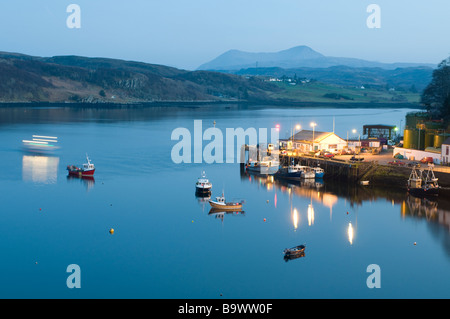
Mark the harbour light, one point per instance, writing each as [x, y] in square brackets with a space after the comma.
[310, 215]
[350, 233]
[295, 218]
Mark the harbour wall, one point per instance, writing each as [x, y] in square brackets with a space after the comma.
[356, 172]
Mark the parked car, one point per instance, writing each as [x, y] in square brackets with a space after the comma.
[397, 163]
[328, 155]
[412, 164]
[427, 160]
[357, 159]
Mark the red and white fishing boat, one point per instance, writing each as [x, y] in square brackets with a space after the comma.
[87, 170]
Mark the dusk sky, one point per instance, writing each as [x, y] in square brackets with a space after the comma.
[186, 34]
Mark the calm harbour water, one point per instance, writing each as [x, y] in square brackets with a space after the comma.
[165, 243]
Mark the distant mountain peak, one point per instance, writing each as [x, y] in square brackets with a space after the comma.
[295, 57]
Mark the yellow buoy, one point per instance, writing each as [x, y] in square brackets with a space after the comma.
[111, 231]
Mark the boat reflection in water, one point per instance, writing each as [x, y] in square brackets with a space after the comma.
[433, 210]
[40, 169]
[220, 214]
[294, 253]
[203, 200]
[88, 181]
[292, 257]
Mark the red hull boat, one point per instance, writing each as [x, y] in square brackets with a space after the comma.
[87, 170]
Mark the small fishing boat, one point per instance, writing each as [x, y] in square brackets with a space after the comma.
[420, 184]
[294, 251]
[319, 172]
[267, 166]
[87, 170]
[291, 172]
[307, 172]
[203, 185]
[221, 203]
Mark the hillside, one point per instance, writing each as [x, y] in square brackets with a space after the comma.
[76, 79]
[411, 78]
[26, 78]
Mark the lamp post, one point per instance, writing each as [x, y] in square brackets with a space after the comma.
[354, 131]
[297, 129]
[313, 126]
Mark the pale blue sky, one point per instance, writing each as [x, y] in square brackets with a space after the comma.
[186, 34]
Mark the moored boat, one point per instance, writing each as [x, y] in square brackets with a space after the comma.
[87, 169]
[420, 184]
[307, 172]
[221, 203]
[267, 166]
[319, 172]
[290, 172]
[294, 251]
[203, 185]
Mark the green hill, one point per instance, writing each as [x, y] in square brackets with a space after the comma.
[76, 79]
[26, 78]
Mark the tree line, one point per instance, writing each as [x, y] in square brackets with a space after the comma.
[436, 96]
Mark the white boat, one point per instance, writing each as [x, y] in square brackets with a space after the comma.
[203, 185]
[307, 172]
[267, 166]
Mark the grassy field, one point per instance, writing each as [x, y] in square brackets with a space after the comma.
[322, 92]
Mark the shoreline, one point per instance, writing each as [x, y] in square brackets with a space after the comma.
[187, 104]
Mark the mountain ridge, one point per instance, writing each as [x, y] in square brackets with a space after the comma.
[298, 56]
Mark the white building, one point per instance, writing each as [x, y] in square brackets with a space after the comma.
[307, 141]
[364, 143]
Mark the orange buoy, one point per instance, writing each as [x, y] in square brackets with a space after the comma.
[264, 219]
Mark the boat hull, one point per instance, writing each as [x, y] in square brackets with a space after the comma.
[203, 191]
[284, 174]
[424, 192]
[319, 175]
[295, 251]
[308, 175]
[80, 172]
[227, 206]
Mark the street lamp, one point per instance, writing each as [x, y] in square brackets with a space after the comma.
[313, 126]
[359, 139]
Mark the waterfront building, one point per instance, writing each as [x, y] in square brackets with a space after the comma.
[310, 140]
[379, 131]
[445, 151]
